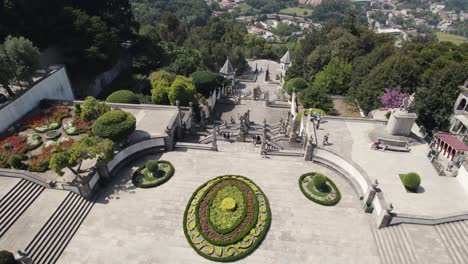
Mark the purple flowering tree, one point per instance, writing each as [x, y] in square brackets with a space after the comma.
[392, 98]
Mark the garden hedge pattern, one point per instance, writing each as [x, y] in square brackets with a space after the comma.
[243, 236]
[138, 177]
[328, 200]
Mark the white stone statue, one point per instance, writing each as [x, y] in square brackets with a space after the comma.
[408, 103]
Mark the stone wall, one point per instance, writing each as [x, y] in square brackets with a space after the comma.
[55, 86]
[462, 177]
[105, 78]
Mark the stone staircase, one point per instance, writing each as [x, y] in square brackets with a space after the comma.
[395, 245]
[16, 201]
[49, 243]
[455, 238]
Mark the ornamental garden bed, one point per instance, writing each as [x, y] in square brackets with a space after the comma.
[153, 173]
[227, 218]
[319, 189]
[47, 120]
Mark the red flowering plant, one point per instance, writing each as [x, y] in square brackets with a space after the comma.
[12, 145]
[45, 118]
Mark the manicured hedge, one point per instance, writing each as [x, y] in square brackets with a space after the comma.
[316, 199]
[115, 125]
[411, 181]
[123, 97]
[255, 244]
[155, 183]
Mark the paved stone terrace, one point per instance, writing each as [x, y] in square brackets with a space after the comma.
[441, 196]
[130, 225]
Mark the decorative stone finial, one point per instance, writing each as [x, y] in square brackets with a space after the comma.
[389, 208]
[375, 184]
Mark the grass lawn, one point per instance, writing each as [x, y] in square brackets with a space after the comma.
[244, 7]
[451, 38]
[343, 108]
[299, 11]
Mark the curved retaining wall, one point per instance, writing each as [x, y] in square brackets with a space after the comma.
[359, 181]
[124, 155]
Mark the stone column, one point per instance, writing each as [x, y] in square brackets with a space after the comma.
[104, 172]
[386, 217]
[192, 120]
[180, 133]
[370, 195]
[214, 143]
[309, 151]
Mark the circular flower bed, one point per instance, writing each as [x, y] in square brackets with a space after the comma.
[53, 134]
[227, 218]
[319, 189]
[145, 178]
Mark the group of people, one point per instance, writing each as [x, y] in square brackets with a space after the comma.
[256, 140]
[226, 136]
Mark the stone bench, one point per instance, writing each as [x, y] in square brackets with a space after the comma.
[395, 145]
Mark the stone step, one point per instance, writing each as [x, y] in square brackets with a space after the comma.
[54, 236]
[449, 239]
[394, 245]
[16, 202]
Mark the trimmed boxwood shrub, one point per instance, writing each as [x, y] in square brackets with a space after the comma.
[138, 173]
[123, 97]
[6, 257]
[115, 125]
[319, 198]
[411, 181]
[320, 181]
[16, 162]
[152, 165]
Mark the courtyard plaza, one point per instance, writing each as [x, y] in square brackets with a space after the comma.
[439, 195]
[131, 225]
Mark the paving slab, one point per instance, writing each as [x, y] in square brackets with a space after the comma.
[6, 184]
[131, 225]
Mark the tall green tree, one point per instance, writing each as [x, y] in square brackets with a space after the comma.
[334, 78]
[23, 55]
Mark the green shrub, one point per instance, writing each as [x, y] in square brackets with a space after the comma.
[411, 181]
[92, 109]
[77, 108]
[7, 257]
[387, 115]
[123, 97]
[115, 125]
[15, 161]
[320, 181]
[299, 84]
[317, 196]
[152, 166]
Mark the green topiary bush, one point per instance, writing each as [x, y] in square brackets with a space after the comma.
[115, 125]
[152, 165]
[123, 97]
[7, 257]
[411, 181]
[320, 181]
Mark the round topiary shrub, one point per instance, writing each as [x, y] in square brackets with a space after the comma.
[320, 181]
[152, 165]
[123, 97]
[115, 125]
[7, 257]
[411, 181]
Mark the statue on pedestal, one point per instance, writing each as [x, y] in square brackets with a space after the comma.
[408, 104]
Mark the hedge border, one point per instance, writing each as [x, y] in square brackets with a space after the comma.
[153, 184]
[318, 201]
[255, 244]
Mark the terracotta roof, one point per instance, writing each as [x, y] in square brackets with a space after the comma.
[453, 141]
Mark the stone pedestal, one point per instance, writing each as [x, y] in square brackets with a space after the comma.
[309, 150]
[400, 123]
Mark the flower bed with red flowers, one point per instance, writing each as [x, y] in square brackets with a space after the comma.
[45, 118]
[40, 163]
[12, 145]
[77, 126]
